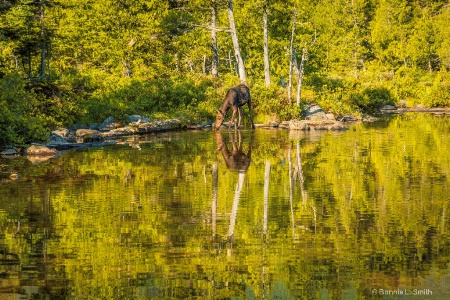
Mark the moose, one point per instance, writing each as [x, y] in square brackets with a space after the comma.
[235, 98]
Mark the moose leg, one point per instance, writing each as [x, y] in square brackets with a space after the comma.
[239, 117]
[233, 117]
[250, 111]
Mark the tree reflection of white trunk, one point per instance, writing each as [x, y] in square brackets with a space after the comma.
[291, 192]
[237, 196]
[215, 180]
[266, 195]
[301, 178]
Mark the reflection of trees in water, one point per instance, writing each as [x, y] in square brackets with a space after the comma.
[381, 218]
[35, 273]
[237, 160]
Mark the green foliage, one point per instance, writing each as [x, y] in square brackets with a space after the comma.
[131, 96]
[371, 98]
[440, 91]
[271, 103]
[20, 121]
[149, 57]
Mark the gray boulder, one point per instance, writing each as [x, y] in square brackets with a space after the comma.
[9, 152]
[108, 124]
[138, 119]
[62, 132]
[89, 135]
[314, 112]
[57, 139]
[388, 107]
[38, 150]
[299, 125]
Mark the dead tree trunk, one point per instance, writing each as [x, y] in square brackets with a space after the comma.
[234, 38]
[215, 58]
[300, 75]
[291, 59]
[266, 46]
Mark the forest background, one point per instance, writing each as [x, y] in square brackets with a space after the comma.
[71, 62]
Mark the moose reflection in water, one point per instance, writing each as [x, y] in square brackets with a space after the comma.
[236, 160]
[235, 98]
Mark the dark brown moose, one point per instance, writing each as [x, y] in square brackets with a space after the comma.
[234, 99]
[235, 159]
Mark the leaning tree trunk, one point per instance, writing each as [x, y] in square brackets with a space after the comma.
[234, 38]
[266, 46]
[291, 60]
[215, 58]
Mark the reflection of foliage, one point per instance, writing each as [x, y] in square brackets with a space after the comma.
[128, 222]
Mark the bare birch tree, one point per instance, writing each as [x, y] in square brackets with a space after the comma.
[215, 58]
[266, 45]
[300, 75]
[291, 59]
[234, 38]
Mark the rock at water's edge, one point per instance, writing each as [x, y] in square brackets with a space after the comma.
[9, 152]
[138, 119]
[315, 113]
[57, 139]
[36, 150]
[89, 135]
[299, 125]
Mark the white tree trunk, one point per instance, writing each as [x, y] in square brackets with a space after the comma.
[300, 75]
[291, 59]
[215, 59]
[234, 38]
[266, 46]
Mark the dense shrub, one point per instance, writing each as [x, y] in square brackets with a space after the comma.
[370, 99]
[272, 103]
[439, 95]
[19, 120]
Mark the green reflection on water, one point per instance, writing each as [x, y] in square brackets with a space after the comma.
[355, 214]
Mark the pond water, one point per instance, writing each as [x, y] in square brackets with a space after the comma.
[269, 214]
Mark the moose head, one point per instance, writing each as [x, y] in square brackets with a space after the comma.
[220, 117]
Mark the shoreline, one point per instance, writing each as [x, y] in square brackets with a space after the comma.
[63, 139]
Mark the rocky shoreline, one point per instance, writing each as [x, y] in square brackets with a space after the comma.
[97, 135]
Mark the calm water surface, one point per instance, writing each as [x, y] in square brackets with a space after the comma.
[360, 214]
